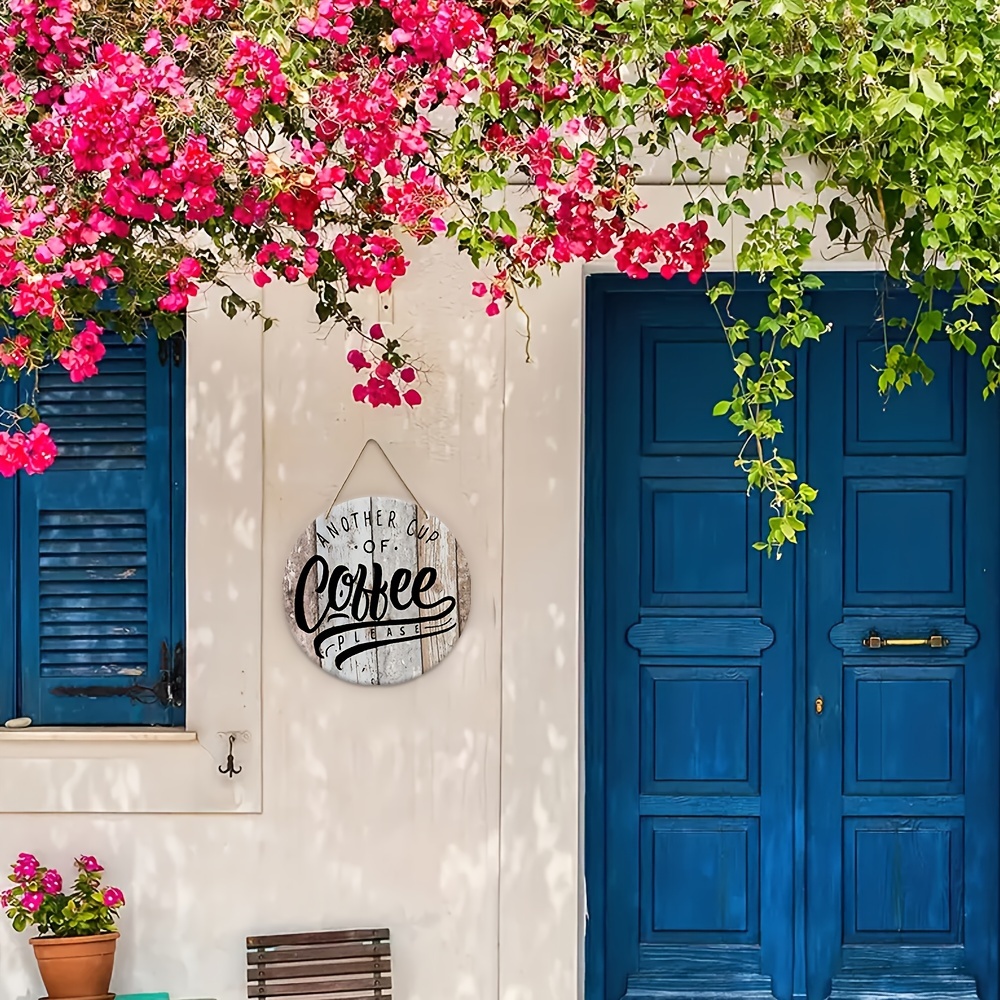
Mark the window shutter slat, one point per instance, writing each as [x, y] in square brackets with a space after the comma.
[96, 591]
[102, 423]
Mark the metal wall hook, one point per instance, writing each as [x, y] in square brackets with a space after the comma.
[230, 767]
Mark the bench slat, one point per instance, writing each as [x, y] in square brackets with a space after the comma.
[315, 953]
[329, 987]
[316, 937]
[375, 967]
[366, 995]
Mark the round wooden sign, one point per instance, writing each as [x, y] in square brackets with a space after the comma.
[377, 591]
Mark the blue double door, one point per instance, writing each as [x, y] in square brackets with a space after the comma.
[784, 799]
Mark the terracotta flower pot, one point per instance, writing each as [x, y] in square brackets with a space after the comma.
[76, 968]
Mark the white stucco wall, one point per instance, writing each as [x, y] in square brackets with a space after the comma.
[446, 809]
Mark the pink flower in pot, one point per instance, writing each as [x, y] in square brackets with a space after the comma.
[75, 949]
[25, 867]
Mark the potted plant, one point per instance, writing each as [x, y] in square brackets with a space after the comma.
[75, 949]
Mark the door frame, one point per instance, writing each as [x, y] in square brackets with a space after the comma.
[597, 287]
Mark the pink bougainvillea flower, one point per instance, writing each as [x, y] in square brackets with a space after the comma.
[36, 294]
[41, 450]
[376, 260]
[357, 359]
[190, 12]
[696, 82]
[678, 247]
[497, 289]
[330, 21]
[252, 209]
[407, 374]
[182, 287]
[189, 267]
[253, 78]
[414, 200]
[14, 351]
[412, 397]
[381, 392]
[153, 43]
[33, 452]
[13, 458]
[608, 78]
[376, 332]
[86, 349]
[88, 863]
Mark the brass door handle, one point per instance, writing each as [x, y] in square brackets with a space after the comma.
[874, 641]
[818, 704]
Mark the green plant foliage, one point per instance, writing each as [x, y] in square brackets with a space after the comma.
[896, 103]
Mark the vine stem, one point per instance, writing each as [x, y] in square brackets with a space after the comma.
[527, 325]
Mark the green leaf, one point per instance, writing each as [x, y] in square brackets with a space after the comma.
[929, 323]
[868, 63]
[891, 105]
[930, 86]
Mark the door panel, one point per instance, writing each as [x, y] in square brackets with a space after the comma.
[697, 765]
[901, 786]
[738, 839]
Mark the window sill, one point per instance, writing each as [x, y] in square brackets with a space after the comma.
[84, 734]
[85, 770]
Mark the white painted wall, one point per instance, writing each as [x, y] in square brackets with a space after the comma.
[446, 809]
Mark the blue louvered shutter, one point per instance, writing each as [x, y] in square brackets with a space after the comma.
[98, 533]
[8, 578]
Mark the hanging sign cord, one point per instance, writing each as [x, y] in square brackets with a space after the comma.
[350, 473]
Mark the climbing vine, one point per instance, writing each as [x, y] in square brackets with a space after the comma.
[149, 145]
[895, 106]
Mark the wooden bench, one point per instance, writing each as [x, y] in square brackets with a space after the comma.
[343, 965]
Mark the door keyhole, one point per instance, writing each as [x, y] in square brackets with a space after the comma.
[819, 706]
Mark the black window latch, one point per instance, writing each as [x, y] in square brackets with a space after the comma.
[167, 691]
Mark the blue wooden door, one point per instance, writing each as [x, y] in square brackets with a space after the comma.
[744, 837]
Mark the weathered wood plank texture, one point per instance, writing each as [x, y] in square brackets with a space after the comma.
[436, 547]
[383, 561]
[342, 964]
[305, 549]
